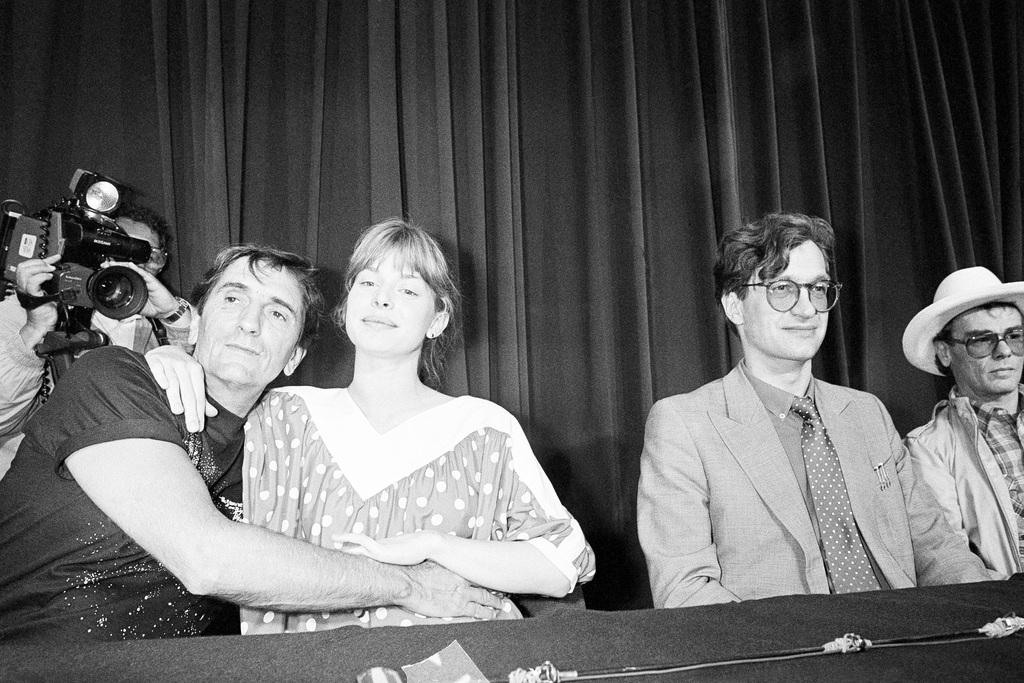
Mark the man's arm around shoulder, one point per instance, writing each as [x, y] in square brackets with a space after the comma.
[157, 497]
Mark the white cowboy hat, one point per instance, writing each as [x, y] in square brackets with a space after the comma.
[961, 291]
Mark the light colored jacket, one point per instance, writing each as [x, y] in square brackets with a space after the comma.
[720, 515]
[950, 454]
[21, 375]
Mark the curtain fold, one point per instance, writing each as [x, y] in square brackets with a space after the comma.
[579, 160]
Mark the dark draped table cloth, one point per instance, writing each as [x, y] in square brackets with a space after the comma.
[591, 640]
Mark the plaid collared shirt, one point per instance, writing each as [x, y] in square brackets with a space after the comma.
[1002, 432]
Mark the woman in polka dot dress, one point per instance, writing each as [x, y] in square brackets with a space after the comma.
[395, 470]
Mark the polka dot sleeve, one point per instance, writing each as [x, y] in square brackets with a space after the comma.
[277, 435]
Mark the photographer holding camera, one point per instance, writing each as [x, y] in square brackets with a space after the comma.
[26, 379]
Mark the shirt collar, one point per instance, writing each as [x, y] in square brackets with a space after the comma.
[777, 401]
[986, 413]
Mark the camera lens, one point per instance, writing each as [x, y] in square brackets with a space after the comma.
[117, 292]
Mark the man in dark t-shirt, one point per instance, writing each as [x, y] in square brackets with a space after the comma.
[117, 522]
[124, 592]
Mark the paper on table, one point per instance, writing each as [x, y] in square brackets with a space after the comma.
[450, 665]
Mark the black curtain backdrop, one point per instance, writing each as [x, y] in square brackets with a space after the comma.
[579, 160]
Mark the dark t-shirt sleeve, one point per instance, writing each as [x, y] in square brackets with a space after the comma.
[107, 395]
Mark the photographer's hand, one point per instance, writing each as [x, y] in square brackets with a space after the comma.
[30, 276]
[160, 302]
[182, 379]
[32, 273]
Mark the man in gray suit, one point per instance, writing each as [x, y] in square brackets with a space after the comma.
[770, 482]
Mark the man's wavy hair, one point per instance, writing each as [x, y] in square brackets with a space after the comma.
[416, 251]
[262, 258]
[761, 249]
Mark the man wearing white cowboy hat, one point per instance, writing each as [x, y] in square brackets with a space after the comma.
[970, 453]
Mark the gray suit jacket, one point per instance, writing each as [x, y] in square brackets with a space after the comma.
[721, 517]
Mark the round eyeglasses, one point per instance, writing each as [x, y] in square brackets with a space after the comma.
[783, 295]
[982, 345]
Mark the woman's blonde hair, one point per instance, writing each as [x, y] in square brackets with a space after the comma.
[416, 251]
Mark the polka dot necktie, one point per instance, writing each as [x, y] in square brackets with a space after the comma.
[845, 557]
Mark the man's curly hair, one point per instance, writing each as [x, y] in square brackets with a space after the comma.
[761, 249]
[144, 214]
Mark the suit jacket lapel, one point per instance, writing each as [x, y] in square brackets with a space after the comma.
[751, 438]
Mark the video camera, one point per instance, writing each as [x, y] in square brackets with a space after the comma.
[82, 230]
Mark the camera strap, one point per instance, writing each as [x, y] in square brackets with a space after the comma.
[159, 332]
[29, 302]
